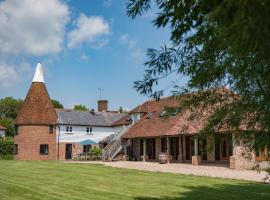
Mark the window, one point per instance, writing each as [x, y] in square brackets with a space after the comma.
[44, 149]
[86, 148]
[15, 149]
[69, 129]
[89, 129]
[162, 114]
[150, 115]
[175, 112]
[51, 128]
[16, 130]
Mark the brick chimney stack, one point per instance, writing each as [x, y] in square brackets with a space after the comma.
[102, 105]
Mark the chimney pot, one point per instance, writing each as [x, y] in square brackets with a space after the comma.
[102, 105]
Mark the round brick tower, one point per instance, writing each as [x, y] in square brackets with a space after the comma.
[35, 125]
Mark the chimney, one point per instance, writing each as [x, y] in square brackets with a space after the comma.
[102, 105]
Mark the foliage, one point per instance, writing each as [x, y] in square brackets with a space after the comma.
[81, 107]
[6, 148]
[57, 104]
[42, 180]
[9, 124]
[122, 111]
[96, 153]
[9, 107]
[216, 44]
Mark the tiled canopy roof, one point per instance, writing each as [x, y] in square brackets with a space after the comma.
[3, 128]
[37, 108]
[74, 117]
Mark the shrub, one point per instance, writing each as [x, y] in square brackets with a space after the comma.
[6, 148]
[96, 153]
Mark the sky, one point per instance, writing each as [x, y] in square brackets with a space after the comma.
[82, 45]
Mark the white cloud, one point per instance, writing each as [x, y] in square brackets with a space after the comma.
[32, 27]
[11, 75]
[88, 30]
[127, 40]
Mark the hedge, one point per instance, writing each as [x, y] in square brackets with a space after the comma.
[6, 148]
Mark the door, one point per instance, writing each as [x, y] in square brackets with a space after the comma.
[68, 151]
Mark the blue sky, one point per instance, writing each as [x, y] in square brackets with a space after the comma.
[83, 45]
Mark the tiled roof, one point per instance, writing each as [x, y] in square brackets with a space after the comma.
[74, 117]
[152, 124]
[37, 107]
[123, 121]
[3, 128]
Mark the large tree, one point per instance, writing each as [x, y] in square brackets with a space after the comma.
[9, 107]
[80, 107]
[57, 104]
[221, 43]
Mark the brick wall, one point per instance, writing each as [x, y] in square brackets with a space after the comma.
[29, 139]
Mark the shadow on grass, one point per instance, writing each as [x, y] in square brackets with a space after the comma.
[245, 191]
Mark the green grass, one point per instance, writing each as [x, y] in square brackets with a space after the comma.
[54, 180]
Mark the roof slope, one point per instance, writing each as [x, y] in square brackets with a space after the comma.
[37, 108]
[3, 128]
[90, 118]
[156, 126]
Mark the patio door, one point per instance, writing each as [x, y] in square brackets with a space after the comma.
[68, 151]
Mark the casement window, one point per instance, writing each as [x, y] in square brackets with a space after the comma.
[15, 149]
[16, 130]
[89, 129]
[69, 129]
[51, 128]
[44, 149]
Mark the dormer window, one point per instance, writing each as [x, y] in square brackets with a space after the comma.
[135, 117]
[175, 112]
[162, 114]
[69, 129]
[150, 115]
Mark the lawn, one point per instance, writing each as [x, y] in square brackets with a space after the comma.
[54, 180]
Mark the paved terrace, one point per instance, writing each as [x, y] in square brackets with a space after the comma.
[212, 170]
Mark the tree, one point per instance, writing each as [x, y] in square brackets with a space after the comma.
[122, 111]
[216, 44]
[9, 107]
[9, 124]
[81, 107]
[57, 104]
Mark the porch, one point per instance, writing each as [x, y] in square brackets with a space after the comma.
[181, 148]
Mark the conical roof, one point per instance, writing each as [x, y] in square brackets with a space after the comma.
[37, 108]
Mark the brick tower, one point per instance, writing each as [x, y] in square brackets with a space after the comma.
[35, 125]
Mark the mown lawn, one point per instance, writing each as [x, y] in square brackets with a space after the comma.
[54, 180]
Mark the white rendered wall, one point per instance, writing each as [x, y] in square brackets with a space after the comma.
[79, 133]
[2, 133]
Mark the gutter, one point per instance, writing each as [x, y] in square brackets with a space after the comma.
[58, 139]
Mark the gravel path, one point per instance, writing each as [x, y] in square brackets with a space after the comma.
[220, 171]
